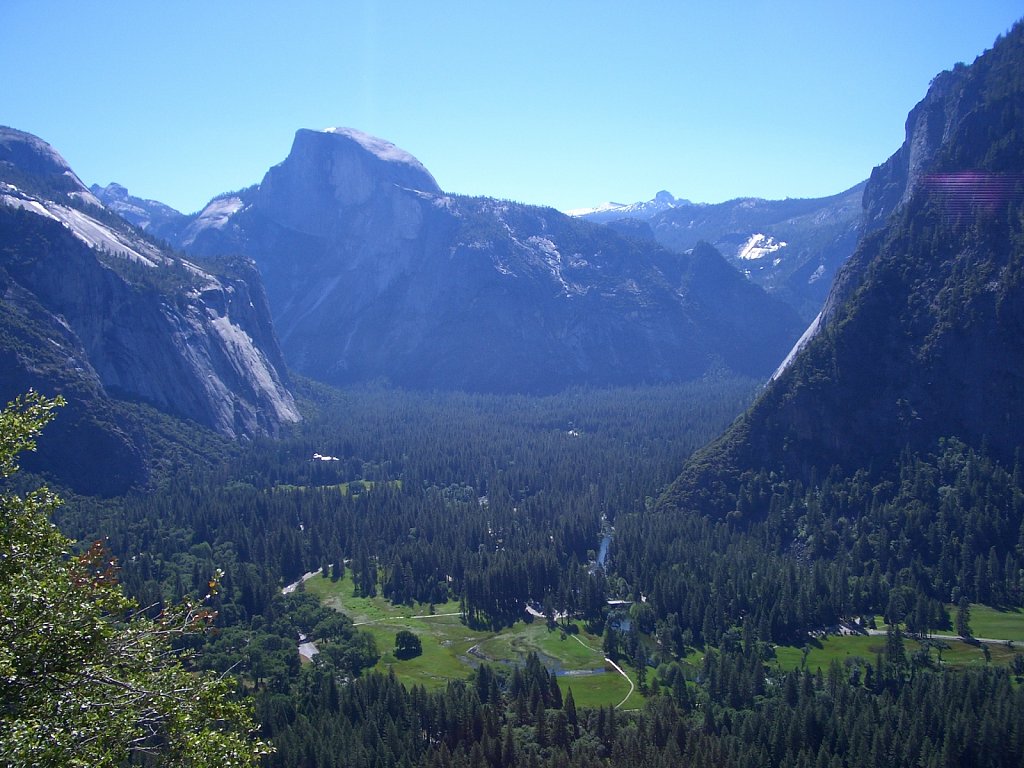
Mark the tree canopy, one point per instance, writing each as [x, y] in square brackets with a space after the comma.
[86, 679]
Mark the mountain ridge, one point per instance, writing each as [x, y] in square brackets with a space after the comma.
[103, 311]
[374, 272]
[792, 248]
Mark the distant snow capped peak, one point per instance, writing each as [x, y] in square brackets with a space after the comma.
[605, 212]
[602, 208]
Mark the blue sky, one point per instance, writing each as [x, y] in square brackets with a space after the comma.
[566, 104]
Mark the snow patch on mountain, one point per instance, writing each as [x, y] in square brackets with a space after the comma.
[758, 246]
[817, 274]
[602, 208]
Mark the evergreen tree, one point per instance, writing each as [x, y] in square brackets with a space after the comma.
[963, 618]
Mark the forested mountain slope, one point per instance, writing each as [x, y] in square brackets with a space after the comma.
[875, 482]
[921, 335]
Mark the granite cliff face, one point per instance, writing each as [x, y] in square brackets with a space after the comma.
[921, 336]
[373, 272]
[91, 307]
[331, 177]
[929, 125]
[945, 124]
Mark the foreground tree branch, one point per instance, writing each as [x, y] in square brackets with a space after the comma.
[86, 679]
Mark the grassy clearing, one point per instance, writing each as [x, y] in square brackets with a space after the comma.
[345, 489]
[363, 610]
[555, 647]
[995, 623]
[963, 654]
[447, 643]
[822, 651]
[592, 691]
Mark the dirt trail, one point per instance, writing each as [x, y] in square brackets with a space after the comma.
[617, 669]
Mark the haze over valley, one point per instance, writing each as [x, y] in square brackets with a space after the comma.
[349, 467]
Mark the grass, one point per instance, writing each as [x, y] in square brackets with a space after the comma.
[345, 489]
[1001, 624]
[447, 643]
[821, 652]
[600, 690]
[559, 649]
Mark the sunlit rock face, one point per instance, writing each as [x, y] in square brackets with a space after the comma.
[92, 308]
[374, 273]
[150, 215]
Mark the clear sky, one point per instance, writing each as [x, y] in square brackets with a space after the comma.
[566, 104]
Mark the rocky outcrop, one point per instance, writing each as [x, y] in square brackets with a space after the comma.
[937, 123]
[330, 175]
[150, 215]
[373, 272]
[92, 308]
[32, 165]
[928, 125]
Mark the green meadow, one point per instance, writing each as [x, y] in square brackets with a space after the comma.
[958, 653]
[451, 650]
[995, 623]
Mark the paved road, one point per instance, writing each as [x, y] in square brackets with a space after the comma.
[987, 640]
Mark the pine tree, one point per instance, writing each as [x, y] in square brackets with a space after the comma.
[963, 618]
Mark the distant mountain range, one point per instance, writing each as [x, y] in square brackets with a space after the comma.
[92, 308]
[607, 212]
[921, 335]
[792, 248]
[151, 216]
[373, 272]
